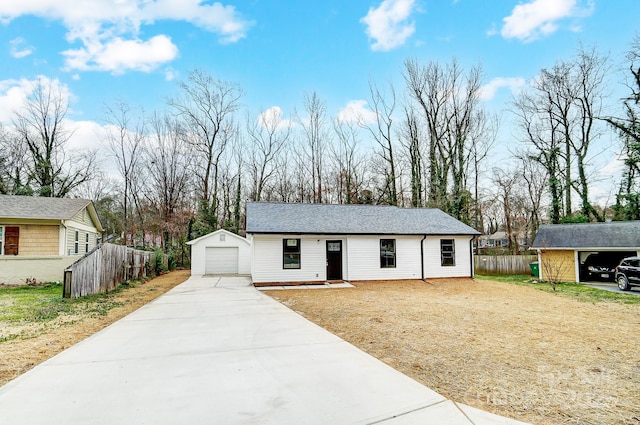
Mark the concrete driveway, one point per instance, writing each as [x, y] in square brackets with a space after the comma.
[613, 287]
[217, 351]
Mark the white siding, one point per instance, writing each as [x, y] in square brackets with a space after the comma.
[360, 258]
[220, 239]
[364, 258]
[268, 259]
[432, 259]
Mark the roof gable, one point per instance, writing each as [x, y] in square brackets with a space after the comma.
[296, 218]
[42, 208]
[218, 232]
[617, 234]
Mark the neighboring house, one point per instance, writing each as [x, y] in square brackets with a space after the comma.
[563, 248]
[220, 252]
[495, 240]
[40, 237]
[320, 242]
[499, 240]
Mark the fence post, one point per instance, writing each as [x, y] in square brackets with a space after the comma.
[66, 292]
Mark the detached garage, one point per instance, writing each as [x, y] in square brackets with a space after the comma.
[220, 252]
[585, 252]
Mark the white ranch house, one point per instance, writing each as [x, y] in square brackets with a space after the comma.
[321, 242]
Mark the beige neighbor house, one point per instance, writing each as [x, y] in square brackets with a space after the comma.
[564, 249]
[40, 237]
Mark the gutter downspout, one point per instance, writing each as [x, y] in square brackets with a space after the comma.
[473, 272]
[422, 256]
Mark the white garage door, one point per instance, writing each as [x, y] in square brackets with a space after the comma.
[221, 260]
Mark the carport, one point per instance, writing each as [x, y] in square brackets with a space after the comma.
[565, 251]
[220, 253]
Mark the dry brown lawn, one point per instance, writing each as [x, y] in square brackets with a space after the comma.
[513, 350]
[41, 341]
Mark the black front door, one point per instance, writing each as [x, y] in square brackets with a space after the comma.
[334, 260]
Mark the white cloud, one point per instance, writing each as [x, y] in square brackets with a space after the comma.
[19, 49]
[103, 25]
[613, 168]
[272, 118]
[14, 94]
[387, 24]
[539, 18]
[170, 74]
[118, 55]
[86, 135]
[488, 91]
[357, 111]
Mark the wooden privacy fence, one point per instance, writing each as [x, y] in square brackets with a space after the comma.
[105, 268]
[504, 264]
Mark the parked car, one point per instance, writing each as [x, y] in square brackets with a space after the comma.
[628, 273]
[599, 266]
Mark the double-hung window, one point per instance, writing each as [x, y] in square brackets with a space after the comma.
[387, 253]
[76, 242]
[291, 253]
[447, 252]
[86, 242]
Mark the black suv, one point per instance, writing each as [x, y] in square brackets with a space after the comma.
[628, 273]
[600, 266]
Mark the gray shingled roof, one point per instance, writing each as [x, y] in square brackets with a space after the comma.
[34, 207]
[617, 234]
[266, 217]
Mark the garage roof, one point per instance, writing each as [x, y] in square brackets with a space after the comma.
[292, 218]
[616, 234]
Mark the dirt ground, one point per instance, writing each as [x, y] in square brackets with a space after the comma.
[46, 339]
[513, 350]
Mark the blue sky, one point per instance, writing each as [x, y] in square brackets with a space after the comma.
[136, 50]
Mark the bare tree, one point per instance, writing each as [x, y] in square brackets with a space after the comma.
[316, 139]
[589, 71]
[557, 116]
[207, 108]
[348, 162]
[13, 162]
[383, 104]
[430, 87]
[167, 161]
[540, 131]
[411, 139]
[41, 125]
[268, 135]
[535, 178]
[628, 199]
[126, 130]
[455, 125]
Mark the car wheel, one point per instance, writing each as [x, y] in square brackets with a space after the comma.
[623, 284]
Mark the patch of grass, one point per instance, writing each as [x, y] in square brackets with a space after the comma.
[576, 291]
[33, 304]
[8, 337]
[20, 302]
